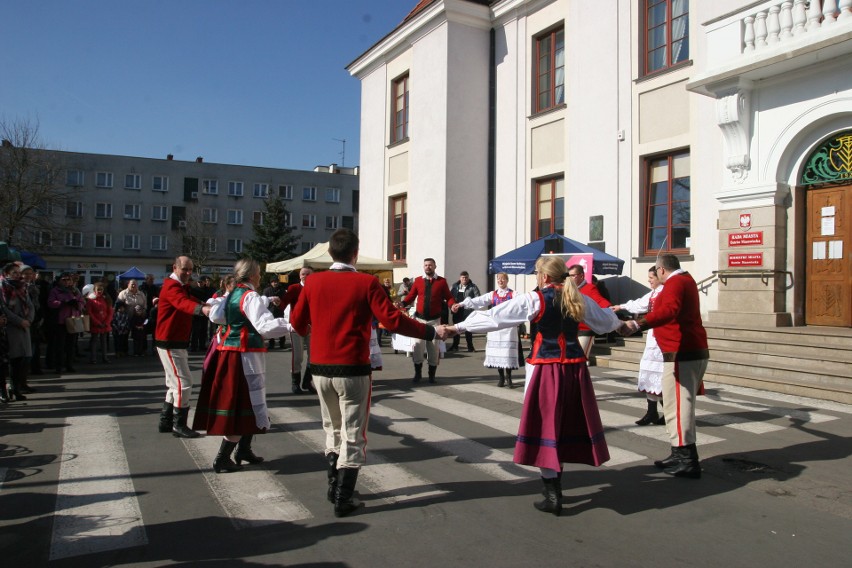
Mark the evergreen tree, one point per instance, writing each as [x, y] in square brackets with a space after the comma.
[274, 240]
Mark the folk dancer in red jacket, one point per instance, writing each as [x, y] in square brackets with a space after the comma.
[301, 343]
[430, 291]
[338, 306]
[578, 274]
[174, 327]
[676, 320]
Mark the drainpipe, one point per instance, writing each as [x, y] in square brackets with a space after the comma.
[492, 154]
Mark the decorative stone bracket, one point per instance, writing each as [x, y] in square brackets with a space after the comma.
[733, 115]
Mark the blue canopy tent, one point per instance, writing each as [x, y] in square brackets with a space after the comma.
[132, 274]
[32, 259]
[522, 259]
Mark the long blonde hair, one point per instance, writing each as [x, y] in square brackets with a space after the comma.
[570, 302]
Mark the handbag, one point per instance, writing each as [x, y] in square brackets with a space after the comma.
[87, 322]
[74, 324]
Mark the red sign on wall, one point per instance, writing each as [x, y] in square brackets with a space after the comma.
[745, 239]
[748, 259]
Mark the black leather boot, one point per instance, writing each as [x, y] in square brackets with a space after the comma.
[244, 452]
[651, 416]
[223, 462]
[552, 502]
[4, 393]
[687, 463]
[331, 459]
[502, 380]
[180, 429]
[509, 379]
[667, 462]
[297, 381]
[432, 371]
[14, 389]
[344, 503]
[418, 372]
[167, 417]
[307, 382]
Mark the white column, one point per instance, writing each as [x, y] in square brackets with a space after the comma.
[772, 25]
[748, 35]
[800, 17]
[760, 30]
[814, 15]
[829, 9]
[786, 19]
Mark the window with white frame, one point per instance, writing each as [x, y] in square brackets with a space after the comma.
[235, 216]
[285, 192]
[235, 188]
[103, 210]
[103, 179]
[332, 195]
[331, 222]
[210, 244]
[103, 240]
[261, 190]
[309, 194]
[132, 181]
[306, 246]
[131, 242]
[44, 208]
[159, 242]
[160, 213]
[73, 239]
[209, 215]
[74, 209]
[43, 238]
[235, 245]
[288, 219]
[133, 211]
[210, 186]
[160, 183]
[257, 217]
[74, 177]
[309, 221]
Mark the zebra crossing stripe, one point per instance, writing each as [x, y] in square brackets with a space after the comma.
[96, 505]
[492, 462]
[497, 420]
[390, 482]
[253, 497]
[748, 406]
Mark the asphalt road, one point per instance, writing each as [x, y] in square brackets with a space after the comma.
[86, 480]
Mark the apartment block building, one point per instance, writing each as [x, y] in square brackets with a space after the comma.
[132, 211]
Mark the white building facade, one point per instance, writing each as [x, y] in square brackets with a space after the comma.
[639, 126]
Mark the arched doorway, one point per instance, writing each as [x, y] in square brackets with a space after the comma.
[828, 271]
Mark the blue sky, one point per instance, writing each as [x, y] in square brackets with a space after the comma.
[249, 82]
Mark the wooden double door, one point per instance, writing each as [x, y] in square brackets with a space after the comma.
[829, 269]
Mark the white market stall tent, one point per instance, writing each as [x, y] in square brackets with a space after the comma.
[319, 259]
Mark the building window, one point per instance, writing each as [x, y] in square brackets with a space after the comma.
[160, 183]
[399, 227]
[235, 188]
[131, 242]
[257, 218]
[235, 245]
[331, 223]
[103, 240]
[210, 186]
[235, 216]
[133, 212]
[666, 33]
[309, 194]
[306, 246]
[103, 179]
[160, 213]
[549, 207]
[211, 244]
[309, 221]
[73, 239]
[103, 210]
[332, 195]
[347, 222]
[209, 215]
[74, 209]
[399, 116]
[159, 242]
[74, 177]
[667, 205]
[285, 192]
[288, 219]
[43, 238]
[261, 190]
[132, 181]
[549, 70]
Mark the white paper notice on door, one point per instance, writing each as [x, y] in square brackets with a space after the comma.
[835, 249]
[827, 226]
[819, 250]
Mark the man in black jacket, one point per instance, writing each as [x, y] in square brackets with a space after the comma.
[463, 288]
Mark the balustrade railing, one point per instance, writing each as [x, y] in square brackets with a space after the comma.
[790, 19]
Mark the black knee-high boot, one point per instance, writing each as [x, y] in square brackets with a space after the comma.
[651, 416]
[502, 380]
[223, 462]
[344, 503]
[244, 452]
[552, 502]
[331, 460]
[509, 379]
